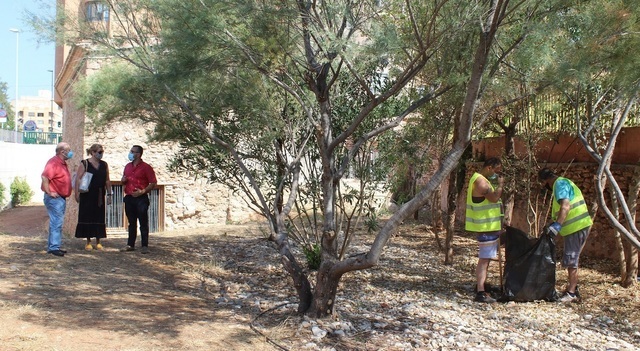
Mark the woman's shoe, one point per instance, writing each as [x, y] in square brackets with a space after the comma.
[98, 246]
[88, 247]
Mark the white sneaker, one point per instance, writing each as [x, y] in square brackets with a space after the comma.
[569, 297]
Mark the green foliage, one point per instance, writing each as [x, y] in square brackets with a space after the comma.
[600, 37]
[20, 190]
[371, 222]
[409, 154]
[290, 102]
[2, 196]
[4, 104]
[595, 64]
[313, 253]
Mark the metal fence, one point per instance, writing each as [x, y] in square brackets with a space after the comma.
[117, 220]
[551, 114]
[41, 138]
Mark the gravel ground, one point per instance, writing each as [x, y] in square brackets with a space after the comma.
[411, 301]
[228, 281]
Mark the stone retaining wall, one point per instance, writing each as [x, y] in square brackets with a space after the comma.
[189, 202]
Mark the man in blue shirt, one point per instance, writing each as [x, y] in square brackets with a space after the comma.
[572, 221]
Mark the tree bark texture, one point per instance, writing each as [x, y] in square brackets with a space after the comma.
[324, 296]
[630, 251]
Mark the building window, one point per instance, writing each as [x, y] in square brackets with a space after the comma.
[31, 114]
[40, 114]
[96, 11]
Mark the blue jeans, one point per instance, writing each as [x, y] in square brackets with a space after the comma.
[55, 207]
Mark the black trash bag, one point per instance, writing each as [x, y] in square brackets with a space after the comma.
[530, 267]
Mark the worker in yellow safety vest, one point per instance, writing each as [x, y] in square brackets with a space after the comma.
[484, 217]
[572, 221]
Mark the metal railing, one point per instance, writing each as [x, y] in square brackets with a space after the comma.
[11, 136]
[41, 138]
[116, 217]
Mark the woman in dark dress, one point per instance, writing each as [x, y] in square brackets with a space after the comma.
[91, 209]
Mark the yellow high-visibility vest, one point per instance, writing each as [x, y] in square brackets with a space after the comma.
[485, 216]
[578, 217]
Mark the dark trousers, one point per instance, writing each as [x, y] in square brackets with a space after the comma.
[137, 210]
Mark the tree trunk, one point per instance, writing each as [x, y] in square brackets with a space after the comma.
[615, 210]
[604, 171]
[300, 281]
[326, 290]
[456, 185]
[630, 251]
[631, 256]
[450, 220]
[509, 151]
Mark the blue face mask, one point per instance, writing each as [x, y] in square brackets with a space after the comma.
[69, 155]
[99, 156]
[494, 176]
[131, 156]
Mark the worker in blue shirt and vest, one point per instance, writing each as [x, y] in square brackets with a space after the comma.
[484, 217]
[572, 221]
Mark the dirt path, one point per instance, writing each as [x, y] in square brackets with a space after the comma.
[108, 300]
[31, 220]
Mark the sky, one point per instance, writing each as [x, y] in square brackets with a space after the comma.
[34, 59]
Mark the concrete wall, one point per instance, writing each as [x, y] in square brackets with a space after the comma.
[24, 160]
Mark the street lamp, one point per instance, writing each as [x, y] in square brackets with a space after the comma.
[17, 31]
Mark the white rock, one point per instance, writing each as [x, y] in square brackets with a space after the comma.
[318, 333]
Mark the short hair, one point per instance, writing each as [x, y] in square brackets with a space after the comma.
[94, 148]
[492, 162]
[545, 174]
[139, 148]
[61, 147]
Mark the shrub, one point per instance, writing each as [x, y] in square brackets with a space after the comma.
[313, 256]
[2, 199]
[20, 191]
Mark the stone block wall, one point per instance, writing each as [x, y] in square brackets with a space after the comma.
[188, 202]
